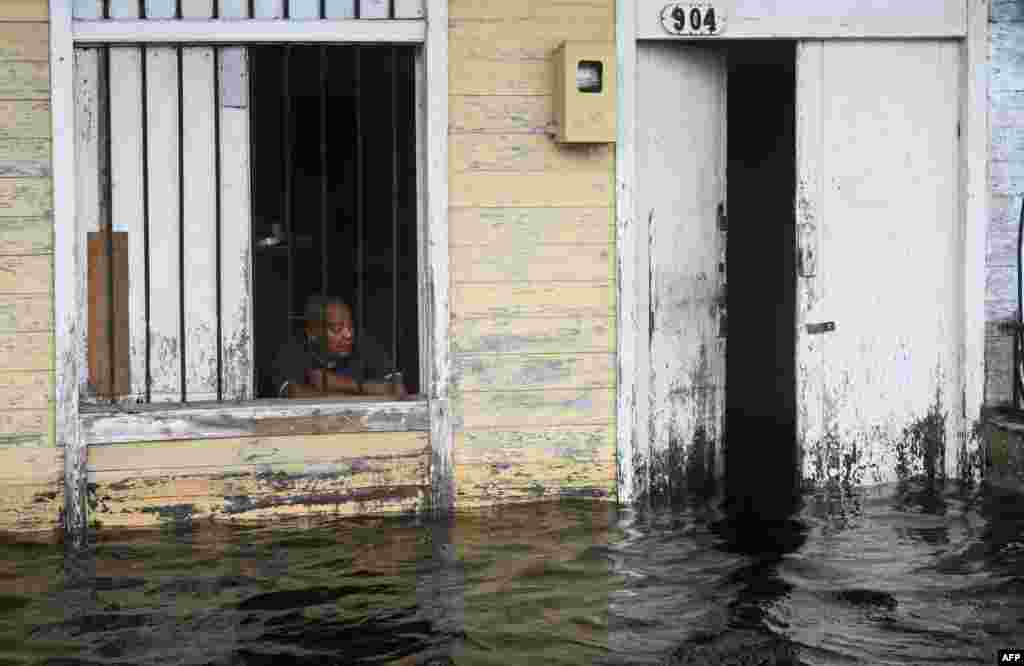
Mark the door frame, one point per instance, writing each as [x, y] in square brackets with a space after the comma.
[970, 28]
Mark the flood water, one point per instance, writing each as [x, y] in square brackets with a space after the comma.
[893, 575]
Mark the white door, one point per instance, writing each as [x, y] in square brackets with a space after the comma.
[681, 118]
[880, 258]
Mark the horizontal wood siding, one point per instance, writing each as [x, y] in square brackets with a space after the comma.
[1007, 193]
[31, 467]
[252, 478]
[531, 236]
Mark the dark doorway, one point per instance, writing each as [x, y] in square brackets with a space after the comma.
[760, 430]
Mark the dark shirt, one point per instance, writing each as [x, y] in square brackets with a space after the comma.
[367, 362]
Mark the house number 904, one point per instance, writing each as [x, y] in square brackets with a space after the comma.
[692, 19]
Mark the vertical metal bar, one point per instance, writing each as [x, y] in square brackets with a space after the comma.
[181, 216]
[252, 9]
[323, 9]
[287, 9]
[108, 221]
[217, 105]
[145, 209]
[324, 287]
[106, 14]
[357, 84]
[286, 146]
[394, 203]
[142, 15]
[178, 15]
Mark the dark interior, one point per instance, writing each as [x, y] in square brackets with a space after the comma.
[760, 429]
[369, 92]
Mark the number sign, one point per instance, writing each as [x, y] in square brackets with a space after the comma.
[693, 19]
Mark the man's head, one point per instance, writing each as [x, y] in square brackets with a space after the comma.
[330, 318]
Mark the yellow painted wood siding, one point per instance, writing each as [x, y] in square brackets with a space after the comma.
[531, 234]
[31, 467]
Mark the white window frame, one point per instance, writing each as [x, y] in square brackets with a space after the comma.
[76, 430]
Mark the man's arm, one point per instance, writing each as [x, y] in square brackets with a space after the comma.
[321, 382]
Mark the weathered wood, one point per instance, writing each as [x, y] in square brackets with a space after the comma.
[524, 38]
[509, 409]
[583, 443]
[26, 274]
[25, 197]
[796, 19]
[200, 227]
[24, 80]
[266, 450]
[539, 263]
[25, 389]
[505, 113]
[25, 423]
[489, 9]
[527, 227]
[505, 335]
[87, 190]
[24, 10]
[30, 463]
[25, 119]
[108, 320]
[235, 227]
[24, 157]
[24, 41]
[487, 77]
[1000, 292]
[217, 420]
[25, 351]
[999, 373]
[26, 235]
[127, 198]
[19, 312]
[30, 507]
[234, 32]
[556, 300]
[164, 221]
[525, 152]
[502, 190]
[631, 457]
[504, 372]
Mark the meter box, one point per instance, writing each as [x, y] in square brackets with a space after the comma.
[585, 92]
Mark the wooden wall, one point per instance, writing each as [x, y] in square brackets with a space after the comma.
[531, 230]
[30, 464]
[1007, 191]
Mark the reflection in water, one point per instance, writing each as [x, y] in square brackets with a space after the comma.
[898, 574]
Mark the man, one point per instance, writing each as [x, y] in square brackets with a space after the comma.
[329, 362]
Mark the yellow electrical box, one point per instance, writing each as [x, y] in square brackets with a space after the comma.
[585, 92]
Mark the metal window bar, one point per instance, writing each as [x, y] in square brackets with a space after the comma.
[145, 213]
[394, 202]
[107, 222]
[324, 287]
[218, 104]
[360, 212]
[286, 146]
[182, 361]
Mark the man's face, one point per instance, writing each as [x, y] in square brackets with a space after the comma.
[337, 328]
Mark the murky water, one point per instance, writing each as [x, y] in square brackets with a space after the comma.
[887, 576]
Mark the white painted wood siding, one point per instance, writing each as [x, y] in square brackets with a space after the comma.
[878, 168]
[796, 19]
[680, 154]
[239, 9]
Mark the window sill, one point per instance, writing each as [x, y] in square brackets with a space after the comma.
[104, 424]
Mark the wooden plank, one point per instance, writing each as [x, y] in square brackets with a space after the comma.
[527, 227]
[236, 227]
[502, 190]
[25, 351]
[24, 440]
[31, 507]
[164, 210]
[580, 443]
[26, 274]
[127, 197]
[490, 9]
[487, 77]
[26, 235]
[24, 10]
[511, 409]
[19, 312]
[272, 417]
[25, 119]
[504, 113]
[526, 152]
[24, 41]
[794, 19]
[508, 372]
[555, 300]
[19, 424]
[24, 79]
[540, 263]
[86, 190]
[25, 197]
[24, 157]
[200, 219]
[109, 320]
[263, 450]
[510, 35]
[263, 31]
[29, 463]
[505, 335]
[25, 390]
[631, 457]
